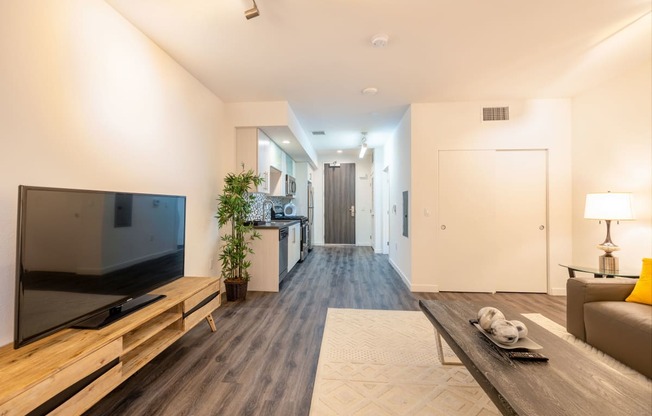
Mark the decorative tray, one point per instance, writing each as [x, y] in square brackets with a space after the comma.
[522, 343]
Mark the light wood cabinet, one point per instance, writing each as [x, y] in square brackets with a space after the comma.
[246, 148]
[84, 365]
[264, 268]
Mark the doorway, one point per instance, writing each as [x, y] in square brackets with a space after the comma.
[339, 203]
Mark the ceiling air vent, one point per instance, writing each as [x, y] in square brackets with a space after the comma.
[318, 133]
[495, 113]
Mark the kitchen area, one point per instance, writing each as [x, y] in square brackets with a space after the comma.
[282, 210]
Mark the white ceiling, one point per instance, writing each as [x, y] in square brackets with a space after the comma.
[317, 54]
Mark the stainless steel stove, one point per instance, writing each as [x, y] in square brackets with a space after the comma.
[279, 215]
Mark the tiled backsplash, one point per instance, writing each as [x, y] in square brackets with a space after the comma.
[257, 206]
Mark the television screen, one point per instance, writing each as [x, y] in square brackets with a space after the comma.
[82, 254]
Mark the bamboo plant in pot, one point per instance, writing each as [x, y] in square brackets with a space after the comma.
[234, 207]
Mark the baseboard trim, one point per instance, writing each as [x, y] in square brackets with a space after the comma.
[425, 288]
[404, 278]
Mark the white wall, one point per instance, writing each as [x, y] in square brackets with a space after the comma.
[612, 151]
[398, 157]
[533, 124]
[87, 101]
[378, 166]
[363, 202]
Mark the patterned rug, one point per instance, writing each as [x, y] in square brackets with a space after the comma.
[378, 363]
[375, 362]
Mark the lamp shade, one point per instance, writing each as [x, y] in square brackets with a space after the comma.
[609, 206]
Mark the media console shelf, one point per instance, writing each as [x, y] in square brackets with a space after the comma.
[66, 373]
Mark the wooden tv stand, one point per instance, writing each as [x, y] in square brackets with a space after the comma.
[66, 373]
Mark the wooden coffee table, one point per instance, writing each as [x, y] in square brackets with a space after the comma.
[569, 383]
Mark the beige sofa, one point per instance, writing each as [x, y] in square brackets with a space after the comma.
[596, 312]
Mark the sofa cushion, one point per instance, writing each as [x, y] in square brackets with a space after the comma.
[622, 330]
[581, 290]
[642, 292]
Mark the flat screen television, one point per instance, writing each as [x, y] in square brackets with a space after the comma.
[87, 258]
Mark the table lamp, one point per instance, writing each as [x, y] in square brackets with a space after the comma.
[608, 206]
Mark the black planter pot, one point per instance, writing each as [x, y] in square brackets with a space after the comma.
[235, 290]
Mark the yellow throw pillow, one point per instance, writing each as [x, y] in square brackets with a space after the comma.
[642, 292]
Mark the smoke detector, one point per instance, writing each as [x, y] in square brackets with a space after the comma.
[379, 41]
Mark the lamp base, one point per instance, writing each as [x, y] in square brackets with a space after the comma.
[608, 263]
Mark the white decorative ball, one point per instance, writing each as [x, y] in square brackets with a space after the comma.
[487, 315]
[522, 329]
[504, 331]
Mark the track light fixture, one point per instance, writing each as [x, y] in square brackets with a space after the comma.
[363, 146]
[253, 12]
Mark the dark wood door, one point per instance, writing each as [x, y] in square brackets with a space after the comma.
[339, 204]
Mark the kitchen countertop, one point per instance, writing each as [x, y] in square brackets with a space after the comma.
[274, 224]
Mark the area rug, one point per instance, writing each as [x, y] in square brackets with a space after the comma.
[375, 362]
[589, 350]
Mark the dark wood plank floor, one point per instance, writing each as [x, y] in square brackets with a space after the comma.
[263, 358]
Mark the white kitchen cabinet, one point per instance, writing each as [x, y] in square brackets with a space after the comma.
[289, 165]
[294, 245]
[252, 152]
[264, 144]
[276, 157]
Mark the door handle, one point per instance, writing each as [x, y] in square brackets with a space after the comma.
[352, 209]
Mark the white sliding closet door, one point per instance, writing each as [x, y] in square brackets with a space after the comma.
[465, 211]
[492, 232]
[521, 230]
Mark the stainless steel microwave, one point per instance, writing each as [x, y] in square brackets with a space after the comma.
[290, 185]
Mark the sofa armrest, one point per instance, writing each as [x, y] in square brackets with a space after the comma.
[581, 290]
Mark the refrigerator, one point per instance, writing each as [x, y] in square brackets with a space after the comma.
[311, 214]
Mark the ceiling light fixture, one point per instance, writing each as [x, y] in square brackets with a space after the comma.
[286, 142]
[253, 12]
[363, 146]
[370, 91]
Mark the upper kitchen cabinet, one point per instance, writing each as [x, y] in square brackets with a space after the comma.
[252, 152]
[289, 165]
[264, 148]
[275, 156]
[246, 148]
[256, 150]
[280, 124]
